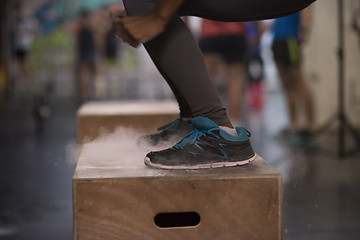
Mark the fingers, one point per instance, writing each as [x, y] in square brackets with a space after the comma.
[134, 26]
[129, 32]
[142, 28]
[125, 35]
[129, 39]
[117, 14]
[117, 17]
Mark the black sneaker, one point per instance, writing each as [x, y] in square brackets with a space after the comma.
[170, 133]
[207, 146]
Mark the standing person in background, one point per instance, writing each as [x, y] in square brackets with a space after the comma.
[226, 40]
[101, 26]
[23, 34]
[254, 90]
[86, 58]
[290, 33]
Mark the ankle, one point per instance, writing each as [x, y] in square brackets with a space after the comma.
[187, 119]
[228, 124]
[231, 131]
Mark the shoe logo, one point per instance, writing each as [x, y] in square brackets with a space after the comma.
[224, 154]
[218, 149]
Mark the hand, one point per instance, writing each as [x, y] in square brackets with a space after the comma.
[143, 28]
[116, 15]
[138, 29]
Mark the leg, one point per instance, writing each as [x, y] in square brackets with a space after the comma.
[212, 65]
[303, 94]
[235, 73]
[309, 106]
[82, 81]
[287, 55]
[234, 52]
[290, 92]
[212, 55]
[180, 66]
[86, 73]
[178, 58]
[25, 69]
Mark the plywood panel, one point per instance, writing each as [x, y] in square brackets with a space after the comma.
[97, 118]
[116, 198]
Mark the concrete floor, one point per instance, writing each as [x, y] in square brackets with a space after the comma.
[321, 191]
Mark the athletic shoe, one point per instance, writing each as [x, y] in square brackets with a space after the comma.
[304, 138]
[207, 146]
[170, 133]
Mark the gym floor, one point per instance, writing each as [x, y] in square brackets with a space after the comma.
[321, 190]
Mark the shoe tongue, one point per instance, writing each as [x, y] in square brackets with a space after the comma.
[203, 123]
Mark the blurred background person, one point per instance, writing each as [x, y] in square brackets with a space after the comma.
[225, 42]
[290, 33]
[101, 26]
[85, 58]
[111, 45]
[24, 29]
[254, 90]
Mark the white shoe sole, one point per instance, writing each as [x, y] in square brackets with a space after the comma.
[200, 166]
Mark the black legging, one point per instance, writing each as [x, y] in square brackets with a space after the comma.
[178, 58]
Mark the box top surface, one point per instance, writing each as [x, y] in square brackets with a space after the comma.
[128, 108]
[112, 157]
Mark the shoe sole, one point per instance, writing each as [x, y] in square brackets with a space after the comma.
[200, 166]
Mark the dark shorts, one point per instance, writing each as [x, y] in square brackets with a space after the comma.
[20, 54]
[231, 48]
[287, 52]
[87, 57]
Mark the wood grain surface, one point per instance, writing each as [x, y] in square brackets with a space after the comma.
[233, 203]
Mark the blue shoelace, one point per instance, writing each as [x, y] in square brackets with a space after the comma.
[192, 137]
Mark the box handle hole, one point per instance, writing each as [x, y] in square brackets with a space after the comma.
[177, 219]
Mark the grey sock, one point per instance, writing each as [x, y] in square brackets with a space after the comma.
[231, 131]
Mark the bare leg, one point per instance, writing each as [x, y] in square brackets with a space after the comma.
[297, 91]
[303, 95]
[235, 73]
[290, 92]
[82, 82]
[86, 73]
[212, 65]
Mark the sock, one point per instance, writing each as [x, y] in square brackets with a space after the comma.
[231, 131]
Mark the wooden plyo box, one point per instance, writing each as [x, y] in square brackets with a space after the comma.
[117, 197]
[95, 118]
